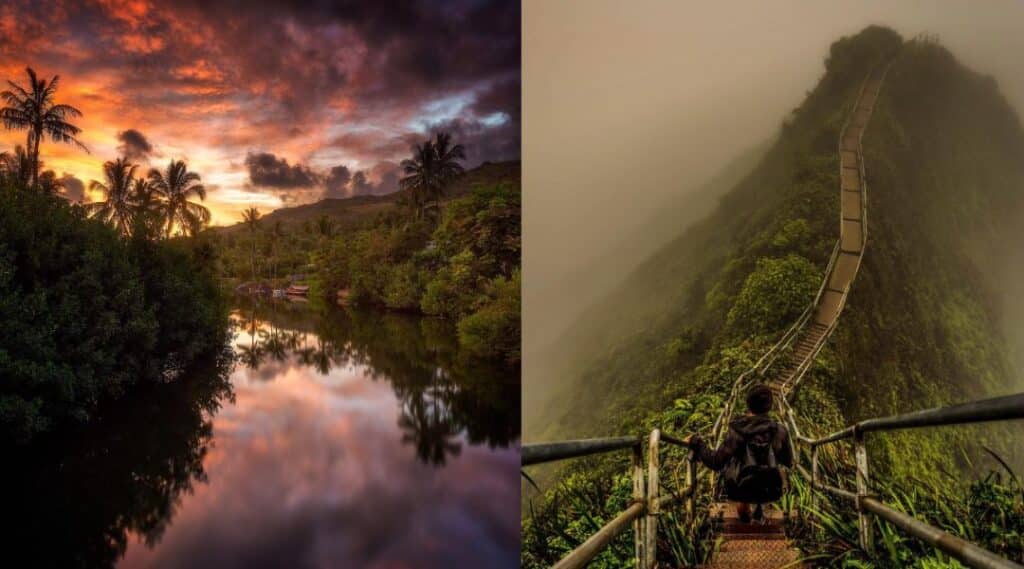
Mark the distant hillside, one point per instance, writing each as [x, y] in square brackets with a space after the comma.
[349, 212]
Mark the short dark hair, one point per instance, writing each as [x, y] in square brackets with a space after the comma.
[759, 399]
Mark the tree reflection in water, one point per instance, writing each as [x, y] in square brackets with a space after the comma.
[75, 496]
[442, 393]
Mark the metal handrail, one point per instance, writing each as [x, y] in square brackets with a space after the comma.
[1003, 408]
[550, 452]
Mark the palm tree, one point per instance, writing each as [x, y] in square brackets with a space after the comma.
[147, 206]
[119, 207]
[434, 164]
[446, 161]
[35, 111]
[420, 177]
[251, 219]
[175, 186]
[15, 167]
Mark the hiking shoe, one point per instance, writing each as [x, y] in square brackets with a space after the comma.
[759, 514]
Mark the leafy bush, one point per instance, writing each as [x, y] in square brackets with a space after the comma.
[87, 314]
[465, 269]
[494, 330]
[774, 294]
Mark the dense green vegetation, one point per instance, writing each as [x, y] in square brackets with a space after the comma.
[451, 253]
[465, 269]
[93, 307]
[921, 327]
[88, 314]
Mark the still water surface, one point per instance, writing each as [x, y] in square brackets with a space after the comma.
[342, 440]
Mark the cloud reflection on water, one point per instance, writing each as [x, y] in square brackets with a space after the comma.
[311, 469]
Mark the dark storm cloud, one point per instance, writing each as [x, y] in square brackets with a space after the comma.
[336, 182]
[341, 182]
[73, 189]
[134, 145]
[269, 171]
[484, 142]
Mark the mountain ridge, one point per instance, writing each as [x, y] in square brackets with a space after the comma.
[670, 328]
[353, 210]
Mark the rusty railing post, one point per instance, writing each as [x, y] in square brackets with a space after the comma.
[639, 496]
[863, 480]
[653, 505]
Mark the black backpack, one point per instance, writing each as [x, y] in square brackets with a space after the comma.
[753, 475]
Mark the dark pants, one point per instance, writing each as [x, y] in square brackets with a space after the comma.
[763, 488]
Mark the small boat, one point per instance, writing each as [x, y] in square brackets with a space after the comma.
[297, 290]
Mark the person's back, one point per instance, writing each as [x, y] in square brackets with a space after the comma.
[754, 449]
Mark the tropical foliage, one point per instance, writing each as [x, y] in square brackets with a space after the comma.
[88, 314]
[156, 205]
[465, 269]
[34, 110]
[175, 186]
[434, 165]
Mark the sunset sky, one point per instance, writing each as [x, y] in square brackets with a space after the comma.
[272, 103]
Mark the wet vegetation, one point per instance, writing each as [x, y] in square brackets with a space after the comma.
[921, 327]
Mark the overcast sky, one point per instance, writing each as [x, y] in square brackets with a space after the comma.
[273, 102]
[628, 104]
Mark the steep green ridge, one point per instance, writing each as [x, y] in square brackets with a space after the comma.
[945, 178]
[922, 326]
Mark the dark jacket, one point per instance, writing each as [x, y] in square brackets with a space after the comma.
[740, 430]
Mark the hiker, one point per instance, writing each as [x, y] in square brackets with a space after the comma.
[754, 448]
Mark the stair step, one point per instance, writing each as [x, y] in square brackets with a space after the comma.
[733, 545]
[752, 529]
[781, 555]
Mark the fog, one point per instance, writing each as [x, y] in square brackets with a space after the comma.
[634, 105]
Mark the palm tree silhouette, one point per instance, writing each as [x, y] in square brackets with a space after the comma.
[251, 219]
[16, 167]
[175, 186]
[447, 161]
[147, 206]
[434, 164]
[35, 111]
[119, 208]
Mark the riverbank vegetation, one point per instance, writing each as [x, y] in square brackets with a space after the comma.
[89, 313]
[96, 299]
[921, 327]
[447, 245]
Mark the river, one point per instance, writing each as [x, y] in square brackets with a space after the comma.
[345, 439]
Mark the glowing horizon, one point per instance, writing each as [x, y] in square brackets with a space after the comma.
[275, 106]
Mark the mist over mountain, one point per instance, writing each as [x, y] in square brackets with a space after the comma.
[622, 134]
[927, 320]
